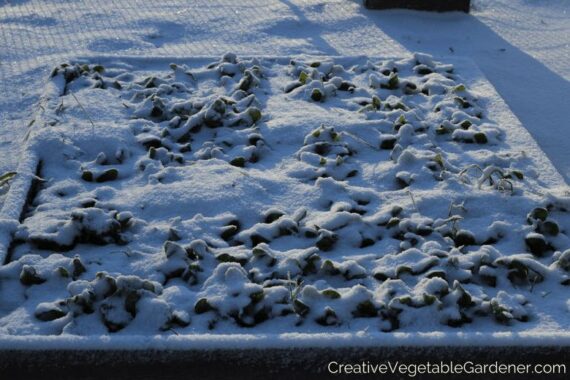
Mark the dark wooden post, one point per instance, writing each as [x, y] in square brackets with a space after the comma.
[421, 5]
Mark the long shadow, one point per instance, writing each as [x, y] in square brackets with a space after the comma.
[307, 25]
[537, 95]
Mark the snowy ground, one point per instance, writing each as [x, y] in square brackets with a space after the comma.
[522, 46]
[283, 195]
[356, 281]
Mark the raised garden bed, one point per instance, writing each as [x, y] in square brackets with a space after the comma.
[352, 201]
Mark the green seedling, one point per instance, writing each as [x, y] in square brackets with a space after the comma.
[365, 309]
[537, 244]
[63, 272]
[331, 293]
[255, 114]
[317, 95]
[346, 86]
[401, 121]
[227, 258]
[518, 174]
[459, 88]
[329, 318]
[376, 103]
[462, 102]
[334, 136]
[50, 315]
[550, 227]
[393, 222]
[202, 306]
[388, 143]
[6, 177]
[99, 69]
[108, 175]
[539, 213]
[238, 162]
[256, 296]
[366, 242]
[246, 82]
[273, 216]
[564, 261]
[328, 267]
[393, 82]
[464, 238]
[29, 276]
[327, 242]
[228, 232]
[429, 299]
[480, 138]
[300, 307]
[78, 267]
[424, 70]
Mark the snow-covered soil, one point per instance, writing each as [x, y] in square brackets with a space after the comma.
[304, 196]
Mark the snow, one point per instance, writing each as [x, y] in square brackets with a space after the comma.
[521, 46]
[316, 229]
[311, 208]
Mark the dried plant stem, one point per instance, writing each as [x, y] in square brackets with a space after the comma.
[84, 111]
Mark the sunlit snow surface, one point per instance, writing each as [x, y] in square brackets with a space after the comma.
[522, 46]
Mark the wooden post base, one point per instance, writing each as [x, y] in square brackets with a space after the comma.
[421, 5]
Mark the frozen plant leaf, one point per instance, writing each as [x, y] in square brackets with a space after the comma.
[331, 293]
[317, 95]
[376, 102]
[439, 160]
[255, 114]
[480, 138]
[99, 69]
[459, 88]
[4, 178]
